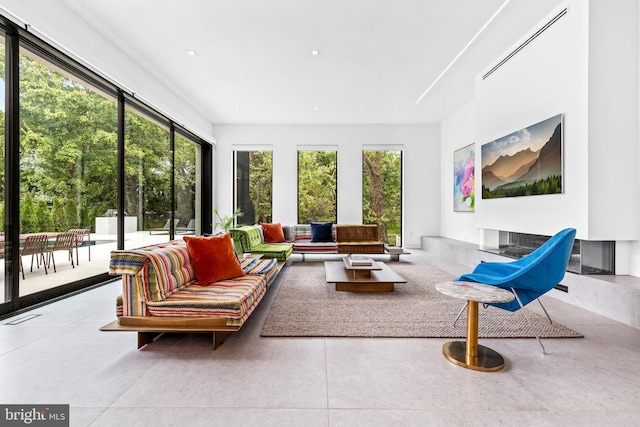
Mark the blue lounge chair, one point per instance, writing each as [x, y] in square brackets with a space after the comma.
[529, 277]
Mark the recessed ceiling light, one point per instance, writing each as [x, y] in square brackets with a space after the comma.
[315, 52]
[236, 108]
[192, 53]
[316, 108]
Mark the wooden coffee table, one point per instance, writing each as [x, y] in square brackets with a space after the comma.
[375, 278]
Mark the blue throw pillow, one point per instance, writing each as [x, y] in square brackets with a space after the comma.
[321, 232]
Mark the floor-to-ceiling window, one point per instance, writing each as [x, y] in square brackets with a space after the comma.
[382, 192]
[187, 186]
[148, 216]
[317, 184]
[253, 177]
[77, 149]
[68, 140]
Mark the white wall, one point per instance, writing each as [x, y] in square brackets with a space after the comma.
[458, 131]
[574, 68]
[634, 247]
[614, 205]
[566, 70]
[548, 77]
[421, 168]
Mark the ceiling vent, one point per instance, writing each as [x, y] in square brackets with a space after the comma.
[535, 35]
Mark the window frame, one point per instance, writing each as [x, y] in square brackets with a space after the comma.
[15, 37]
[317, 148]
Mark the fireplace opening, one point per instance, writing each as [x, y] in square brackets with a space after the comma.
[587, 256]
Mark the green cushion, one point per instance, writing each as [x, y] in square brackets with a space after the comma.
[246, 237]
[279, 251]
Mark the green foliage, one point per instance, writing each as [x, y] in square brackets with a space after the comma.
[68, 137]
[147, 170]
[28, 218]
[226, 222]
[2, 216]
[550, 185]
[382, 191]
[261, 184]
[185, 173]
[45, 223]
[57, 215]
[71, 214]
[317, 186]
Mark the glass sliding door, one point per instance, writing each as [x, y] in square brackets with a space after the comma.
[317, 185]
[253, 173]
[187, 186]
[68, 144]
[59, 197]
[148, 163]
[382, 193]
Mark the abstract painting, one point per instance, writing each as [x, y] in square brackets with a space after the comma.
[464, 164]
[524, 163]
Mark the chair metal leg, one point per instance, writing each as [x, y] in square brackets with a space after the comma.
[526, 316]
[545, 311]
[460, 314]
[51, 258]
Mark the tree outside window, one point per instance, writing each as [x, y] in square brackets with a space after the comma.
[382, 193]
[317, 186]
[254, 186]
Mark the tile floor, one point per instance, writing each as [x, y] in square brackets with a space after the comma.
[60, 356]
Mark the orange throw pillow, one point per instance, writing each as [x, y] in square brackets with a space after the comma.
[213, 258]
[273, 233]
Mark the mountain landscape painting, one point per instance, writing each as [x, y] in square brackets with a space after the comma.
[524, 163]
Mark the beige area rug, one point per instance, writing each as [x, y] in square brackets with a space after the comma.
[306, 306]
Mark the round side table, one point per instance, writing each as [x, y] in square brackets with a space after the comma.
[471, 355]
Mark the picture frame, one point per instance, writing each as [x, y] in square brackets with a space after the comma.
[464, 161]
[526, 162]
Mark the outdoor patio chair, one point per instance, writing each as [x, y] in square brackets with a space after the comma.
[35, 246]
[189, 229]
[529, 277]
[166, 228]
[64, 242]
[80, 233]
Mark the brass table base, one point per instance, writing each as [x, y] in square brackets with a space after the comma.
[486, 359]
[470, 354]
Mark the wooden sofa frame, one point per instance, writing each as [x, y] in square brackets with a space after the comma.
[148, 328]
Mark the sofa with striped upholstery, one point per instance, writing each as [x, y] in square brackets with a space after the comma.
[302, 244]
[347, 239]
[160, 293]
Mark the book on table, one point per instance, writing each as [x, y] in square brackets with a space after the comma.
[359, 261]
[395, 249]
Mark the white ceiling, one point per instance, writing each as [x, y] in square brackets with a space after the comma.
[254, 62]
